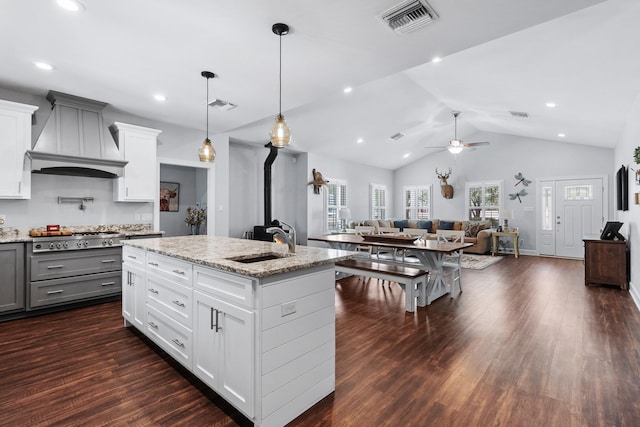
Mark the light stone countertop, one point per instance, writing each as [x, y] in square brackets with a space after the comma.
[217, 252]
[15, 235]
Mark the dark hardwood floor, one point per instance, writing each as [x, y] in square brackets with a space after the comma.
[525, 344]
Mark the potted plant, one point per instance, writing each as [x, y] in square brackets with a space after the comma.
[636, 155]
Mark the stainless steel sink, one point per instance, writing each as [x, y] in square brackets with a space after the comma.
[249, 259]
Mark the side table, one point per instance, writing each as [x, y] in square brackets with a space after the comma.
[514, 236]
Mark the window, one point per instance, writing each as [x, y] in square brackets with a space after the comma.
[483, 201]
[417, 202]
[578, 192]
[547, 208]
[336, 199]
[378, 201]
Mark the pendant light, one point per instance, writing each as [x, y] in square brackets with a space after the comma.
[280, 133]
[207, 153]
[455, 145]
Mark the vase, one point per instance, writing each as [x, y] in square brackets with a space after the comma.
[195, 229]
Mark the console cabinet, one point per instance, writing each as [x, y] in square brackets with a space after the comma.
[606, 262]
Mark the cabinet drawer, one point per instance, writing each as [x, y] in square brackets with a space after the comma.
[133, 256]
[58, 291]
[66, 264]
[170, 335]
[170, 268]
[170, 298]
[235, 289]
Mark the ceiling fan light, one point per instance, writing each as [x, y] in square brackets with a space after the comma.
[206, 152]
[455, 146]
[280, 133]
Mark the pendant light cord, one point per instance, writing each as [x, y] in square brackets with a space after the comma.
[206, 105]
[280, 73]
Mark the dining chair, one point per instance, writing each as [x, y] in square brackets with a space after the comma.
[364, 229]
[452, 264]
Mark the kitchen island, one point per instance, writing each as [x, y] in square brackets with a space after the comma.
[251, 320]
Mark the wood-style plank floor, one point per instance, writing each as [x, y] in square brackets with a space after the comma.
[525, 344]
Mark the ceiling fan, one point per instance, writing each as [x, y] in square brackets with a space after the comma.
[456, 145]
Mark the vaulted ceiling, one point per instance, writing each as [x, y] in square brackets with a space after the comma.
[497, 56]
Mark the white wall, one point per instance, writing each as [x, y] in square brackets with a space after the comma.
[629, 140]
[501, 160]
[358, 178]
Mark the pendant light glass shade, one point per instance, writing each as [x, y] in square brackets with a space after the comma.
[280, 133]
[206, 152]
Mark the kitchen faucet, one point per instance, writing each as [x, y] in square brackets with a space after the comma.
[291, 241]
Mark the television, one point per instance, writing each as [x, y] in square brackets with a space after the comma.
[610, 231]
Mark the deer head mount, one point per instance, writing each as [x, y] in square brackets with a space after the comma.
[445, 188]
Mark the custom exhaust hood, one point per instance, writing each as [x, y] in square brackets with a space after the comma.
[75, 141]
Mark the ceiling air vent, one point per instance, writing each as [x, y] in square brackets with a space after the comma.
[408, 16]
[396, 136]
[520, 114]
[221, 105]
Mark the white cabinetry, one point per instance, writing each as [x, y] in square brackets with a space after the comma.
[266, 345]
[133, 286]
[138, 146]
[15, 140]
[223, 342]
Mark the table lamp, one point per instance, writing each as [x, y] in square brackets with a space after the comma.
[343, 215]
[507, 214]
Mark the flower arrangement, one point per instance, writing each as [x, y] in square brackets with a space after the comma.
[636, 155]
[195, 218]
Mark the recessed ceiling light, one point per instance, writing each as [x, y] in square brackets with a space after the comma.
[561, 135]
[436, 59]
[159, 97]
[72, 5]
[406, 155]
[550, 104]
[360, 141]
[43, 66]
[347, 89]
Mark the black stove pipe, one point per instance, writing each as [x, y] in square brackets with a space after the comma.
[273, 153]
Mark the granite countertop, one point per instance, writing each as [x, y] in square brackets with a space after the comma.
[15, 235]
[219, 252]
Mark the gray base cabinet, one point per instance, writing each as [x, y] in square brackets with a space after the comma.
[12, 277]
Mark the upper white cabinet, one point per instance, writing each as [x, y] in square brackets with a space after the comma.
[15, 140]
[138, 146]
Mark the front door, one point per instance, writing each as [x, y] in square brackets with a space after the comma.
[570, 209]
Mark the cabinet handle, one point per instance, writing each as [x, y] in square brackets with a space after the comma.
[179, 272]
[178, 343]
[218, 328]
[153, 325]
[105, 261]
[52, 267]
[212, 325]
[108, 283]
[59, 291]
[155, 264]
[129, 278]
[178, 303]
[132, 257]
[153, 291]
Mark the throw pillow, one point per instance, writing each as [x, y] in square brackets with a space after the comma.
[473, 227]
[425, 225]
[401, 224]
[446, 225]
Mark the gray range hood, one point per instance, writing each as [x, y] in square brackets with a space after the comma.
[75, 141]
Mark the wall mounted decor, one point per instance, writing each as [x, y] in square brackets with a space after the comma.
[518, 195]
[169, 197]
[445, 188]
[318, 181]
[521, 179]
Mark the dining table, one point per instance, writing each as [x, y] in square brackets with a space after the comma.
[430, 253]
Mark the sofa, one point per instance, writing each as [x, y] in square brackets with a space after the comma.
[476, 232]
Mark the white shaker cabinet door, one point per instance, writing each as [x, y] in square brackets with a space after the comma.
[15, 140]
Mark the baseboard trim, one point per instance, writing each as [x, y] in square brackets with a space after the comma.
[635, 295]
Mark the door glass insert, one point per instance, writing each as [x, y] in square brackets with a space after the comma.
[578, 192]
